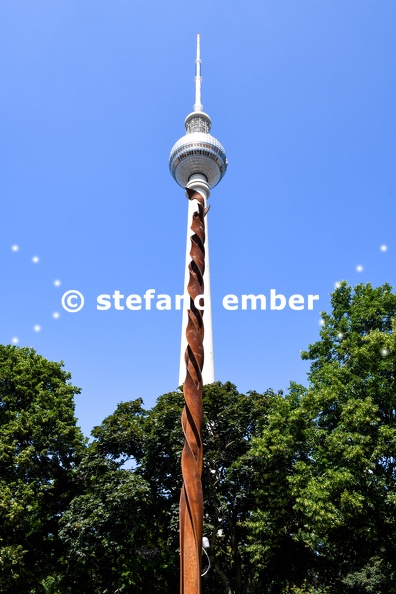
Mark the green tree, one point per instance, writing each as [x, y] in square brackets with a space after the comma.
[105, 529]
[40, 446]
[349, 495]
[332, 449]
[113, 529]
[128, 539]
[232, 420]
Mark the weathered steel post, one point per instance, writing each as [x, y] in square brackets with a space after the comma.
[191, 499]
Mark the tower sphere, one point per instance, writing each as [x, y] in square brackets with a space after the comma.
[198, 152]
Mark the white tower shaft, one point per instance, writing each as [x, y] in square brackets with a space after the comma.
[198, 162]
[199, 184]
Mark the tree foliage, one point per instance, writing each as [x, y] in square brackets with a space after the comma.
[299, 489]
[336, 444]
[40, 447]
[146, 513]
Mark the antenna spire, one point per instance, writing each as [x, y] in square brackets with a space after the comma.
[198, 79]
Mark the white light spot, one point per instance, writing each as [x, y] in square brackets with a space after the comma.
[359, 268]
[340, 335]
[35, 259]
[383, 248]
[15, 340]
[384, 352]
[337, 285]
[55, 315]
[57, 283]
[37, 328]
[15, 248]
[321, 322]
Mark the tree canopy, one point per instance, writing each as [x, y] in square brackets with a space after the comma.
[299, 488]
[40, 448]
[336, 444]
[146, 512]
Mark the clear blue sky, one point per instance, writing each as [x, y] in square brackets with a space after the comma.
[94, 93]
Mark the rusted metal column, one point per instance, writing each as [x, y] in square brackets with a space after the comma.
[191, 499]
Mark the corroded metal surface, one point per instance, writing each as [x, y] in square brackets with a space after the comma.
[191, 499]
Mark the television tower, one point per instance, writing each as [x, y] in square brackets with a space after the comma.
[197, 162]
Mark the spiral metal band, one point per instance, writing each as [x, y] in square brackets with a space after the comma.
[191, 499]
